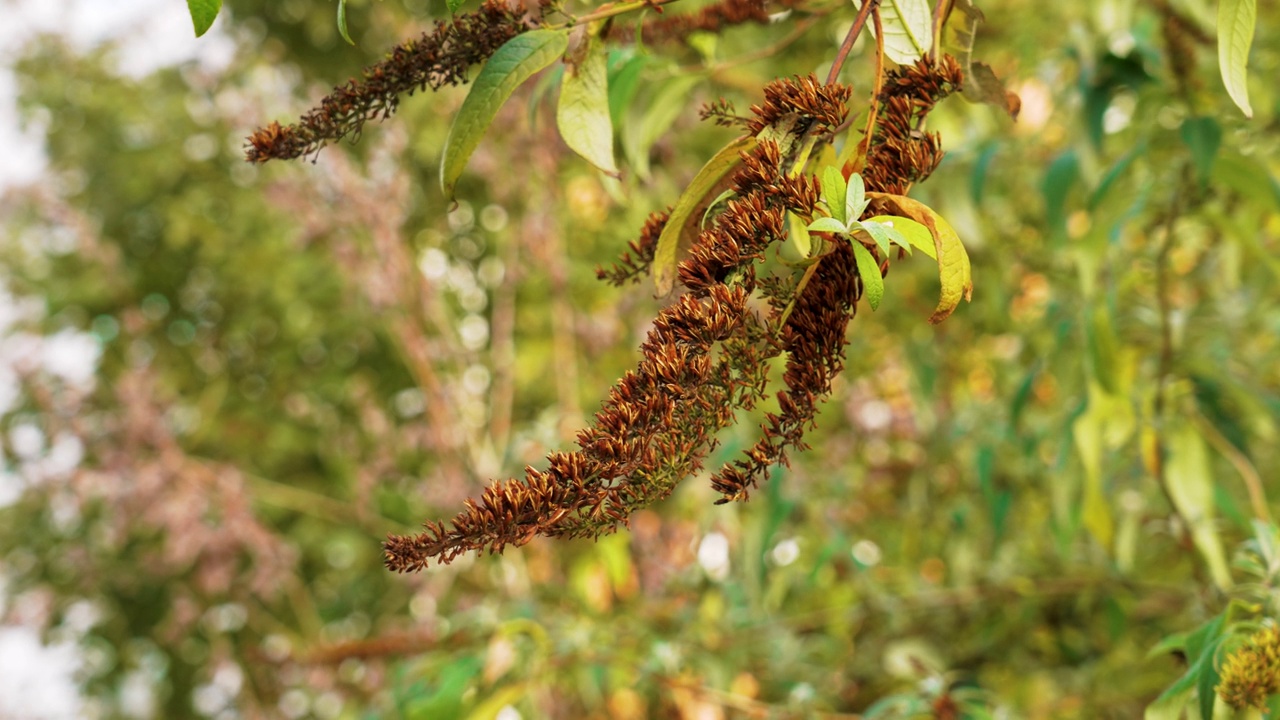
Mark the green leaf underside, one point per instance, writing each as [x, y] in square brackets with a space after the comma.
[833, 192]
[453, 5]
[203, 13]
[908, 29]
[869, 271]
[665, 256]
[828, 224]
[1236, 19]
[342, 22]
[954, 270]
[915, 234]
[582, 113]
[855, 198]
[516, 61]
[886, 235]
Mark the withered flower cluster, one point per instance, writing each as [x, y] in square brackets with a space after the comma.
[437, 58]
[706, 356]
[900, 154]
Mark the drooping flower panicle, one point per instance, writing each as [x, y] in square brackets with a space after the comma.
[707, 354]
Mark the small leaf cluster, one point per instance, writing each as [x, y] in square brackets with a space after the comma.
[845, 203]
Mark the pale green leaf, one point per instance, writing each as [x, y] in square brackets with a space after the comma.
[833, 192]
[492, 706]
[666, 254]
[203, 13]
[908, 29]
[342, 22]
[583, 111]
[855, 198]
[1189, 480]
[1169, 706]
[1236, 20]
[827, 224]
[954, 270]
[798, 235]
[516, 61]
[661, 111]
[869, 271]
[1088, 431]
[453, 5]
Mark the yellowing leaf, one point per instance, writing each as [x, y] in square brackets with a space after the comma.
[872, 280]
[583, 111]
[666, 255]
[513, 63]
[908, 29]
[1236, 19]
[954, 270]
[798, 236]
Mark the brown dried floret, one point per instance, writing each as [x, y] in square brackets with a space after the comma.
[437, 58]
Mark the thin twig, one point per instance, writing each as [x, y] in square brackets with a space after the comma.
[941, 10]
[864, 145]
[836, 65]
[608, 12]
[1248, 473]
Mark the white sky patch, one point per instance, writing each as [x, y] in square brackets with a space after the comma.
[713, 555]
[153, 34]
[37, 682]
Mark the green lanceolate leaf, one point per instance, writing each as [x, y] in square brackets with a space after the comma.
[954, 270]
[583, 111]
[666, 255]
[912, 233]
[908, 29]
[623, 84]
[342, 22]
[1236, 20]
[1203, 136]
[869, 271]
[453, 5]
[513, 63]
[203, 13]
[834, 190]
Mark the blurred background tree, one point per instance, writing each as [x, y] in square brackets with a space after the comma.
[224, 384]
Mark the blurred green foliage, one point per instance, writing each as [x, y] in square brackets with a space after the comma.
[1000, 516]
